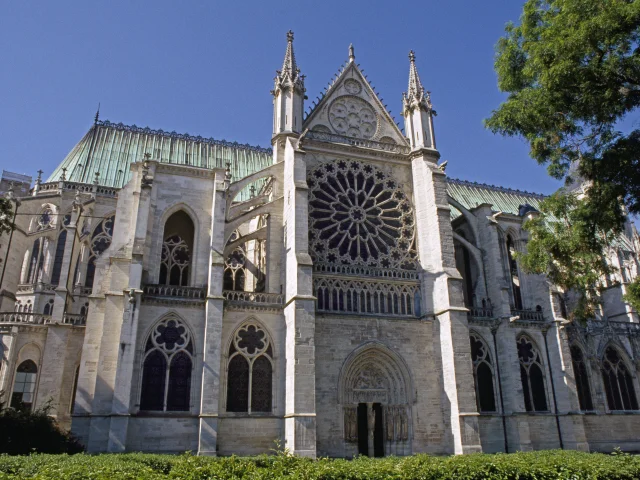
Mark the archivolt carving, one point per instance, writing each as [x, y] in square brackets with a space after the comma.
[373, 373]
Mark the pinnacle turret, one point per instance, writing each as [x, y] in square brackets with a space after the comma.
[416, 96]
[417, 110]
[289, 76]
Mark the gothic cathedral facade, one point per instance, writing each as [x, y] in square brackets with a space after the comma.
[337, 293]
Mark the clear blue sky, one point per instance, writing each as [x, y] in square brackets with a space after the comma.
[206, 68]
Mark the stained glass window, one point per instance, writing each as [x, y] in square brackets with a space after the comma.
[582, 378]
[57, 262]
[249, 373]
[618, 382]
[177, 248]
[166, 372]
[100, 241]
[482, 374]
[532, 376]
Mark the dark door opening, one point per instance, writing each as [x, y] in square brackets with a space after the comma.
[363, 436]
[363, 430]
[378, 439]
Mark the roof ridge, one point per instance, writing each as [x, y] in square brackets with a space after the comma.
[183, 136]
[495, 187]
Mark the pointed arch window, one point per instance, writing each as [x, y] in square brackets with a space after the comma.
[100, 241]
[482, 374]
[177, 248]
[58, 258]
[582, 378]
[234, 267]
[48, 308]
[167, 366]
[250, 370]
[24, 386]
[532, 376]
[618, 382]
[36, 262]
[513, 272]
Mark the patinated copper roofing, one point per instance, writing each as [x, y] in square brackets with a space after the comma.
[109, 148]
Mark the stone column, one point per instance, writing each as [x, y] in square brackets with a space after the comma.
[61, 291]
[371, 428]
[299, 311]
[121, 403]
[52, 368]
[210, 397]
[497, 286]
[442, 293]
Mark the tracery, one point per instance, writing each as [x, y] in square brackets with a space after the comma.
[167, 365]
[360, 215]
[250, 370]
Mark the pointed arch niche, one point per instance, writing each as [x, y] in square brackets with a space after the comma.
[376, 393]
[176, 259]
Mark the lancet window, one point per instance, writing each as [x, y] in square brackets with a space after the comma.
[245, 266]
[250, 370]
[177, 250]
[48, 308]
[618, 382]
[58, 258]
[167, 366]
[532, 376]
[513, 272]
[234, 270]
[36, 261]
[100, 241]
[582, 378]
[482, 374]
[24, 385]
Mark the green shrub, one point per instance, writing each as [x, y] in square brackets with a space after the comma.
[544, 465]
[23, 432]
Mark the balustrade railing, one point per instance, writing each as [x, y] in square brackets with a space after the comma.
[77, 186]
[35, 287]
[361, 271]
[197, 293]
[253, 297]
[358, 142]
[480, 312]
[21, 317]
[530, 315]
[74, 319]
[361, 297]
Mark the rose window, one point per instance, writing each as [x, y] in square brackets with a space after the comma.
[353, 117]
[360, 215]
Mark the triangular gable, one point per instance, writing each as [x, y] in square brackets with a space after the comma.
[350, 107]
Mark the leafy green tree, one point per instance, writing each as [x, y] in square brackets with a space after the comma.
[6, 216]
[571, 71]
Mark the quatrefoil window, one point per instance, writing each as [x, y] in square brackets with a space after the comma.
[359, 215]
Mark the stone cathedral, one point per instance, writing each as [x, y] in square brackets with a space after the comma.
[336, 293]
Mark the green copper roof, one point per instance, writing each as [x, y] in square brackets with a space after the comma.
[506, 200]
[108, 148]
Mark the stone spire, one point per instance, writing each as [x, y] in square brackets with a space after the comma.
[417, 110]
[416, 96]
[288, 94]
[289, 76]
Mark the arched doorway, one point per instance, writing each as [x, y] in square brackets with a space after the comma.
[376, 395]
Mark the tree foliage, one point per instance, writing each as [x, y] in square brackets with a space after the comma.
[566, 247]
[571, 70]
[6, 215]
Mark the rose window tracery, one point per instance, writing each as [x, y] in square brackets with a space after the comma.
[360, 215]
[353, 117]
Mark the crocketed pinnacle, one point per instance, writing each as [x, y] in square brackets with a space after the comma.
[417, 96]
[289, 76]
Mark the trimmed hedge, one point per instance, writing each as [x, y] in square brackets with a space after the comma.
[544, 465]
